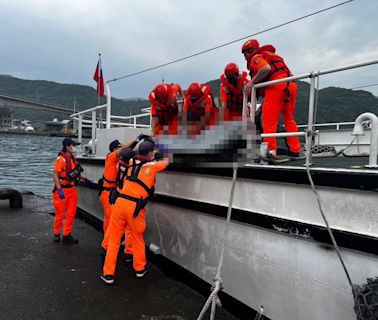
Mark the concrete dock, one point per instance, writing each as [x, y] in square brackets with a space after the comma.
[40, 279]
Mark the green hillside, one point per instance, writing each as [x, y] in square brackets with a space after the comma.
[61, 95]
[334, 104]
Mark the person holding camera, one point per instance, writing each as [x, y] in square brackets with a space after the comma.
[67, 173]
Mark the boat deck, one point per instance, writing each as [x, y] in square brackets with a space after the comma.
[40, 279]
[333, 162]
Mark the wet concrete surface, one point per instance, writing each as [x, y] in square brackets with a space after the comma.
[40, 279]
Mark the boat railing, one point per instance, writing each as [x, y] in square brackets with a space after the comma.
[331, 125]
[308, 133]
[336, 125]
[95, 121]
[310, 130]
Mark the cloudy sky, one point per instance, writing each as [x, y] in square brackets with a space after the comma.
[59, 40]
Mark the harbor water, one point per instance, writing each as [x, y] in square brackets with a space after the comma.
[27, 162]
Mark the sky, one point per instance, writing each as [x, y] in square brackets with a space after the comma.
[59, 40]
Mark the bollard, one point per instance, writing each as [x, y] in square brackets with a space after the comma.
[15, 197]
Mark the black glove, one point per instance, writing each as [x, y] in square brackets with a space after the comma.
[141, 136]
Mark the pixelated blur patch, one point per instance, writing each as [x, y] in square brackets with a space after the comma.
[225, 145]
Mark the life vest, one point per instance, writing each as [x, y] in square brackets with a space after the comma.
[165, 112]
[130, 172]
[111, 182]
[70, 177]
[275, 61]
[234, 93]
[109, 177]
[196, 109]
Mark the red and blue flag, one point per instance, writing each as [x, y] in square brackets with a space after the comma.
[98, 77]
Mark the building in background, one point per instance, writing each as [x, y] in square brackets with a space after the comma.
[6, 118]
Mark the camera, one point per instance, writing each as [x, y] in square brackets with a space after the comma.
[75, 173]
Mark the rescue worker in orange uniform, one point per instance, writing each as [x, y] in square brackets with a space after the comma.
[199, 111]
[231, 92]
[177, 88]
[108, 184]
[67, 173]
[265, 65]
[164, 109]
[137, 186]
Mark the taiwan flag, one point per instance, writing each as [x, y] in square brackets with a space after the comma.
[98, 77]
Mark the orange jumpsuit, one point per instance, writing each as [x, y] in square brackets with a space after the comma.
[200, 109]
[110, 176]
[165, 113]
[123, 216]
[275, 104]
[233, 96]
[65, 209]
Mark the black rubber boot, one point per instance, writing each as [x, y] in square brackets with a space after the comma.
[293, 154]
[70, 239]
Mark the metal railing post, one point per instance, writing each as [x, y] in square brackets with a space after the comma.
[108, 105]
[94, 120]
[75, 125]
[80, 128]
[244, 110]
[135, 122]
[253, 104]
[310, 123]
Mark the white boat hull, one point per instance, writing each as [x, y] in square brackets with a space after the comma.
[282, 269]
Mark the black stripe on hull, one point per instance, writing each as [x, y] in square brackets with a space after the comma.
[176, 272]
[320, 234]
[294, 228]
[356, 180]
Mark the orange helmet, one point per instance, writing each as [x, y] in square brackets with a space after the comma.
[231, 69]
[194, 91]
[250, 45]
[177, 88]
[161, 93]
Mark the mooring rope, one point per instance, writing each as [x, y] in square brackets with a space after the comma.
[218, 278]
[332, 236]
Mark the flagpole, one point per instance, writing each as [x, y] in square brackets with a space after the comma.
[99, 84]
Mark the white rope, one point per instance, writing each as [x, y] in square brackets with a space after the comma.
[218, 278]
